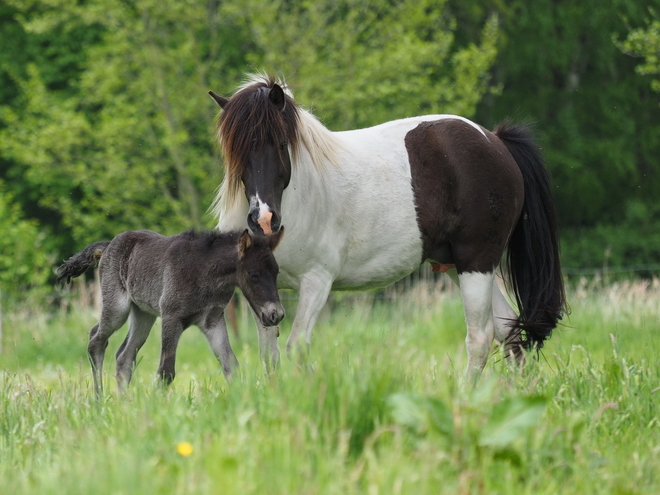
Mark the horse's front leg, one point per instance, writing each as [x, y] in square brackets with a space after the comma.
[313, 294]
[269, 351]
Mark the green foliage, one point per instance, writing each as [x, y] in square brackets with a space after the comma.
[24, 261]
[127, 144]
[634, 246]
[645, 43]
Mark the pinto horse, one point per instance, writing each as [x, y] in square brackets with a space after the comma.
[364, 208]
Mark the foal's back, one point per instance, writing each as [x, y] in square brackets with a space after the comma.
[185, 270]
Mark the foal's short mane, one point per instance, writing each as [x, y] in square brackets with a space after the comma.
[249, 119]
[208, 237]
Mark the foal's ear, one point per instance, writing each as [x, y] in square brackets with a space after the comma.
[218, 99]
[244, 242]
[274, 239]
[276, 96]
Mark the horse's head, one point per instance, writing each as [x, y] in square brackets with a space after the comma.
[257, 275]
[258, 130]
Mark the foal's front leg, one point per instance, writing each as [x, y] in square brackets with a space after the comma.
[215, 330]
[172, 330]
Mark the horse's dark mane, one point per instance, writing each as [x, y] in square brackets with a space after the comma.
[250, 119]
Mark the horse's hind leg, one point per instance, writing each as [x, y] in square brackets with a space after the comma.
[114, 312]
[139, 327]
[477, 294]
[505, 319]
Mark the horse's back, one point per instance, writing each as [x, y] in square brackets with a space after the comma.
[448, 188]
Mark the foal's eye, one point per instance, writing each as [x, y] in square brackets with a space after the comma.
[254, 276]
[282, 146]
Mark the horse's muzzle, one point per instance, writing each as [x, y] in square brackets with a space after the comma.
[263, 222]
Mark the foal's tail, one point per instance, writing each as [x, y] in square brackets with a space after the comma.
[80, 262]
[533, 252]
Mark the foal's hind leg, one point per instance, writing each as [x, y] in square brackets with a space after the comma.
[139, 327]
[114, 312]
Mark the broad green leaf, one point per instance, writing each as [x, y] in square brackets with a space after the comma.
[511, 419]
[421, 414]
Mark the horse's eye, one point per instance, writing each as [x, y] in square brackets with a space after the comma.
[282, 146]
[254, 276]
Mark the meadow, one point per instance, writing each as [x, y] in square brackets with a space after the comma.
[383, 410]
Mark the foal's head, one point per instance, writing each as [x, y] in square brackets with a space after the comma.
[258, 129]
[257, 275]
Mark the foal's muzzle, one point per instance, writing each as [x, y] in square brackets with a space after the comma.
[271, 314]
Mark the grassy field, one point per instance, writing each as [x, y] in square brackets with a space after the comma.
[383, 410]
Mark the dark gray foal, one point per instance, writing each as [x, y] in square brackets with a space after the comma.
[186, 279]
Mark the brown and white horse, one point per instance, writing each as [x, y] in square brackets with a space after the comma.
[364, 208]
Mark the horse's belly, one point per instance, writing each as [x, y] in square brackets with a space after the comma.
[381, 258]
[372, 279]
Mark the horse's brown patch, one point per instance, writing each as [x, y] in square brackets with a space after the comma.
[468, 193]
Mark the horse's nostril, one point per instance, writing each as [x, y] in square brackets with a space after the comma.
[275, 223]
[253, 221]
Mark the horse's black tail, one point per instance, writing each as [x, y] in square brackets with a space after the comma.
[80, 262]
[533, 253]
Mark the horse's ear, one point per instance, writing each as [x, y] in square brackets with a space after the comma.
[218, 99]
[274, 239]
[276, 96]
[244, 242]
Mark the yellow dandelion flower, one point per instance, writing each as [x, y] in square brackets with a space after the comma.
[184, 448]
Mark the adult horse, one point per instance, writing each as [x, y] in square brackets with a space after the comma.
[364, 208]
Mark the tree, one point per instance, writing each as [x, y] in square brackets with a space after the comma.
[645, 43]
[24, 261]
[359, 63]
[126, 141]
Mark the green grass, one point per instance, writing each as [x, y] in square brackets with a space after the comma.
[383, 411]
